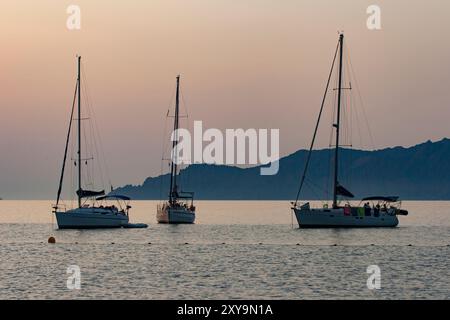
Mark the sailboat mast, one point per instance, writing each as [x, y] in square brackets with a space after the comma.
[173, 173]
[79, 133]
[337, 125]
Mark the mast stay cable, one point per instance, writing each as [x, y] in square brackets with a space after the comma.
[65, 149]
[316, 128]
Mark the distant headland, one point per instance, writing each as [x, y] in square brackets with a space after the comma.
[421, 172]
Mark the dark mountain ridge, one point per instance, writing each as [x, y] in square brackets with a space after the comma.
[421, 172]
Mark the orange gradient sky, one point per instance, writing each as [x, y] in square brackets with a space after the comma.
[246, 63]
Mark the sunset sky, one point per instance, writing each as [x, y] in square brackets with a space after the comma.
[244, 64]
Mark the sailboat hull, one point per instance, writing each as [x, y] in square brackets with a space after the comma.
[175, 215]
[90, 218]
[336, 218]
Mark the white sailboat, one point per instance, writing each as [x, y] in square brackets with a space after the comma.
[94, 209]
[179, 209]
[377, 211]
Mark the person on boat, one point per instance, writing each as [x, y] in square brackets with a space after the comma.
[367, 209]
[347, 209]
[376, 210]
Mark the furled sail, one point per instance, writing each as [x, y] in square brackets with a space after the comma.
[89, 193]
[341, 191]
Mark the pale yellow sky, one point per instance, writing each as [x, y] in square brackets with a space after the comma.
[246, 63]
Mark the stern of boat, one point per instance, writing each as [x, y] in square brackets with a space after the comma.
[175, 214]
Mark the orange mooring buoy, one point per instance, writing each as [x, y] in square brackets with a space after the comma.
[51, 240]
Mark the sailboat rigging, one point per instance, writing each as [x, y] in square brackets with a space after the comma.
[180, 206]
[86, 215]
[384, 210]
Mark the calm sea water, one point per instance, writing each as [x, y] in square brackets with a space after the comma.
[237, 250]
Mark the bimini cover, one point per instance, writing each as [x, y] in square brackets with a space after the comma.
[381, 198]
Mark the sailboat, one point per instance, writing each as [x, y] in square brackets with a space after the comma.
[180, 206]
[93, 210]
[377, 211]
